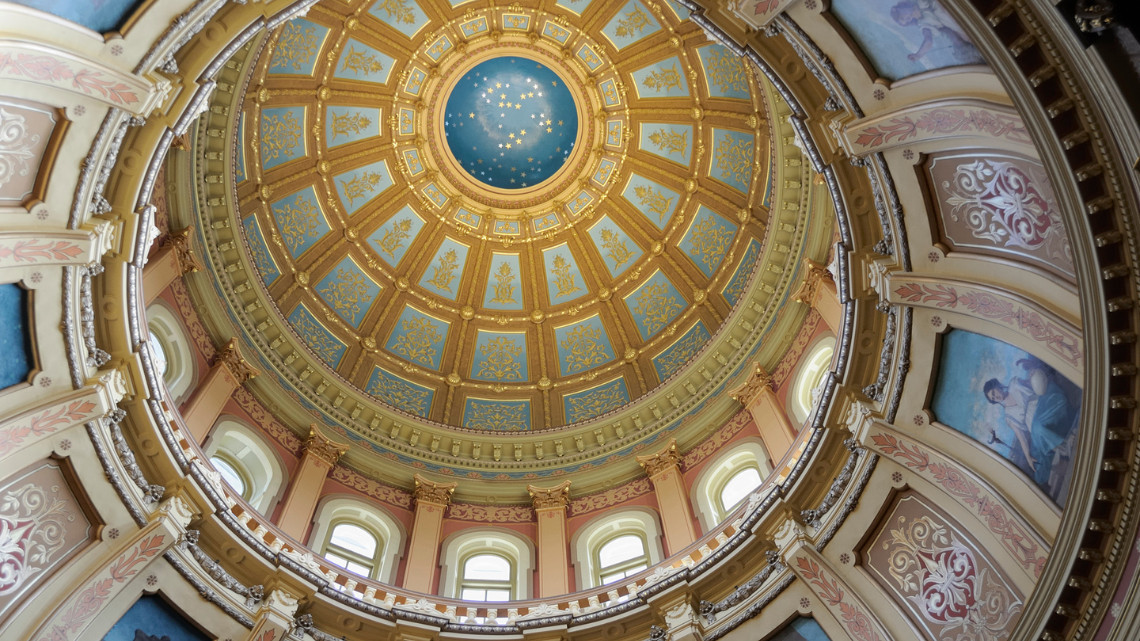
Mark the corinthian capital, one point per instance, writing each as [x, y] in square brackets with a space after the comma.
[179, 241]
[666, 459]
[429, 492]
[814, 276]
[757, 382]
[323, 447]
[550, 497]
[230, 357]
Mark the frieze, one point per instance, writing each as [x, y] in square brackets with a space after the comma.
[933, 121]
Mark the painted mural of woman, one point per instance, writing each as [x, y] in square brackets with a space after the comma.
[931, 17]
[1038, 411]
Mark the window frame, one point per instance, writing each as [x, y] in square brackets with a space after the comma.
[459, 547]
[463, 583]
[372, 563]
[391, 538]
[705, 493]
[628, 567]
[588, 541]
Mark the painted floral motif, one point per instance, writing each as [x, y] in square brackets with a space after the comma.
[95, 595]
[733, 157]
[499, 359]
[963, 600]
[710, 240]
[299, 221]
[31, 251]
[49, 69]
[656, 307]
[32, 530]
[280, 135]
[1059, 340]
[401, 395]
[663, 79]
[582, 348]
[726, 71]
[296, 47]
[1000, 203]
[632, 23]
[595, 403]
[346, 292]
[943, 121]
[42, 424]
[671, 142]
[16, 146]
[496, 416]
[854, 618]
[417, 340]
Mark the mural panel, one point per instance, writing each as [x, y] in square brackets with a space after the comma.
[101, 15]
[152, 619]
[15, 336]
[630, 24]
[999, 204]
[297, 48]
[664, 79]
[42, 525]
[905, 37]
[939, 575]
[801, 629]
[1011, 402]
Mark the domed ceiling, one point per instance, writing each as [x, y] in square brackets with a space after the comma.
[506, 219]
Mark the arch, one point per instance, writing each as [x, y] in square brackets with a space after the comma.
[711, 481]
[587, 542]
[462, 546]
[810, 373]
[334, 511]
[254, 460]
[181, 368]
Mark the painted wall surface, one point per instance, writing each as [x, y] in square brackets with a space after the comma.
[152, 619]
[905, 37]
[999, 204]
[1028, 415]
[97, 15]
[939, 575]
[15, 335]
[801, 629]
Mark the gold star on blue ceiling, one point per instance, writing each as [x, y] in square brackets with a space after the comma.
[511, 122]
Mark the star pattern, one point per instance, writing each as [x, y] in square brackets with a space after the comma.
[511, 122]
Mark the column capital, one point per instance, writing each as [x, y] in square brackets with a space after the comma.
[323, 447]
[179, 241]
[667, 459]
[814, 276]
[230, 357]
[758, 381]
[426, 491]
[550, 497]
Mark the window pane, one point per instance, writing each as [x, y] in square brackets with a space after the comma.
[354, 539]
[738, 487]
[623, 548]
[336, 559]
[229, 474]
[473, 594]
[362, 570]
[498, 595]
[159, 353]
[487, 567]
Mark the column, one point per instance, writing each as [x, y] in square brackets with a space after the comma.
[663, 470]
[171, 261]
[300, 503]
[818, 290]
[229, 372]
[553, 549]
[759, 397]
[431, 500]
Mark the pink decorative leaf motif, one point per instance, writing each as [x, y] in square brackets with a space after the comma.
[900, 129]
[31, 251]
[764, 6]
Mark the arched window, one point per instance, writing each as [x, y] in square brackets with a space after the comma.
[615, 546]
[358, 537]
[811, 372]
[487, 565]
[231, 475]
[170, 349]
[486, 577]
[353, 548]
[620, 557]
[738, 487]
[727, 481]
[247, 463]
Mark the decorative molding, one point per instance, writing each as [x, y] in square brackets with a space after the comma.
[931, 121]
[842, 481]
[426, 491]
[179, 242]
[1027, 318]
[230, 357]
[855, 617]
[557, 497]
[1015, 535]
[323, 447]
[758, 382]
[815, 275]
[26, 61]
[666, 460]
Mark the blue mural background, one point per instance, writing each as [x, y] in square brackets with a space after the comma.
[15, 337]
[801, 629]
[1034, 426]
[905, 37]
[97, 15]
[151, 619]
